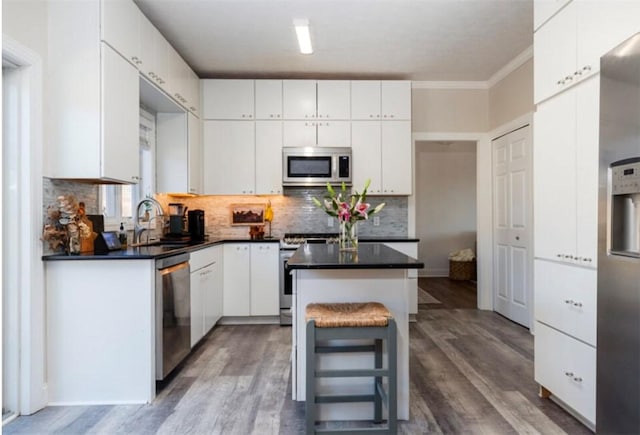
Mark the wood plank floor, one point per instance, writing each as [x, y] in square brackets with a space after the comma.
[471, 372]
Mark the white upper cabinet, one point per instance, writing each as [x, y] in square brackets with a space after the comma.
[120, 25]
[365, 100]
[333, 133]
[154, 53]
[382, 154]
[366, 149]
[229, 156]
[299, 99]
[177, 77]
[568, 47]
[396, 158]
[268, 99]
[194, 126]
[545, 9]
[120, 118]
[395, 100]
[268, 157]
[333, 99]
[193, 92]
[228, 99]
[299, 134]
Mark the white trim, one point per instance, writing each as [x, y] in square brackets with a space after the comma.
[484, 211]
[503, 72]
[448, 85]
[33, 388]
[513, 65]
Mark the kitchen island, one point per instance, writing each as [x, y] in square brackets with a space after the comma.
[322, 273]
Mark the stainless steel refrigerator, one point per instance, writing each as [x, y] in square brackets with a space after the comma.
[618, 346]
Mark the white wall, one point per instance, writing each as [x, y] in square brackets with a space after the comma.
[512, 96]
[445, 202]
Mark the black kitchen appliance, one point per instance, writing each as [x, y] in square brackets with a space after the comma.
[196, 224]
[177, 219]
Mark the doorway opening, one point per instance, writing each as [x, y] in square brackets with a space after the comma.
[445, 204]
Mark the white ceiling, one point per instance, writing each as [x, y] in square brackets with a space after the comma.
[433, 40]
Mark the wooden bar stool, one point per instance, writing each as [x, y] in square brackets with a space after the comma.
[347, 321]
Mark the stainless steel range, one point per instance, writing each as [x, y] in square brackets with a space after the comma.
[288, 245]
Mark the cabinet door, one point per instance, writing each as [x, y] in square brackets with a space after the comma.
[177, 76]
[334, 133]
[565, 299]
[554, 55]
[601, 26]
[269, 99]
[120, 118]
[227, 99]
[544, 9]
[198, 282]
[587, 161]
[265, 276]
[396, 158]
[154, 52]
[299, 99]
[334, 99]
[229, 157]
[193, 95]
[237, 280]
[366, 149]
[121, 28]
[172, 153]
[195, 154]
[213, 309]
[395, 99]
[365, 99]
[554, 178]
[208, 301]
[299, 134]
[268, 157]
[567, 368]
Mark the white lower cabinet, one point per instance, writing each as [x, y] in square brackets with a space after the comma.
[206, 291]
[251, 279]
[265, 276]
[565, 334]
[566, 298]
[567, 368]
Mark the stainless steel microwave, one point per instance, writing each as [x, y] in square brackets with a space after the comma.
[315, 166]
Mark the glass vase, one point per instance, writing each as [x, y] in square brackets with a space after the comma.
[348, 238]
[73, 242]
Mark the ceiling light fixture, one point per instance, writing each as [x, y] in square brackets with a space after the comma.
[304, 37]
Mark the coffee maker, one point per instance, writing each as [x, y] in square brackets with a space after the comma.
[177, 219]
[196, 224]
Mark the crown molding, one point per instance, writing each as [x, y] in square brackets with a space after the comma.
[448, 85]
[514, 64]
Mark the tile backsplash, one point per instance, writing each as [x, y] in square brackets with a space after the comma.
[294, 212]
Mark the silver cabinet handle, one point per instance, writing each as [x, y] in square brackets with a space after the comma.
[568, 374]
[568, 78]
[577, 73]
[577, 379]
[577, 304]
[568, 301]
[586, 68]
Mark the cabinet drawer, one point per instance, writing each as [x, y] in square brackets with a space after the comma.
[201, 258]
[567, 368]
[565, 298]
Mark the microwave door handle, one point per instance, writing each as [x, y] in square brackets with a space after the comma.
[334, 168]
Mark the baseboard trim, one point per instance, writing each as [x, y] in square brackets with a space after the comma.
[249, 320]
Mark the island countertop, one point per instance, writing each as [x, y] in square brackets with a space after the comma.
[368, 256]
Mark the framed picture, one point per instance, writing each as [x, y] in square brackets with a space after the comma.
[247, 214]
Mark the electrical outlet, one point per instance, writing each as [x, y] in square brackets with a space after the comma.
[330, 222]
[376, 221]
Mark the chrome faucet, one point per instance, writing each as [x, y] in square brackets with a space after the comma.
[137, 228]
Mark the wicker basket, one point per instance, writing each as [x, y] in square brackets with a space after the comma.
[462, 270]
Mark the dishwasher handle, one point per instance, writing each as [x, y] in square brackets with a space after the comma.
[163, 263]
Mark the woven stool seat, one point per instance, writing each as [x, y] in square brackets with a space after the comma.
[348, 315]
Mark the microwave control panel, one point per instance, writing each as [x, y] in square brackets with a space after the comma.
[625, 178]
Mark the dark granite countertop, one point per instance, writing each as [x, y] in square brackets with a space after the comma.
[368, 256]
[151, 252]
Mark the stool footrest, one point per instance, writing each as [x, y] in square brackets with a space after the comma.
[344, 349]
[381, 392]
[351, 373]
[352, 398]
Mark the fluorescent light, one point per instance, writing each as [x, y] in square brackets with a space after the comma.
[304, 37]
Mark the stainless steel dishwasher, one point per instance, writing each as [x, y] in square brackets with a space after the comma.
[173, 313]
